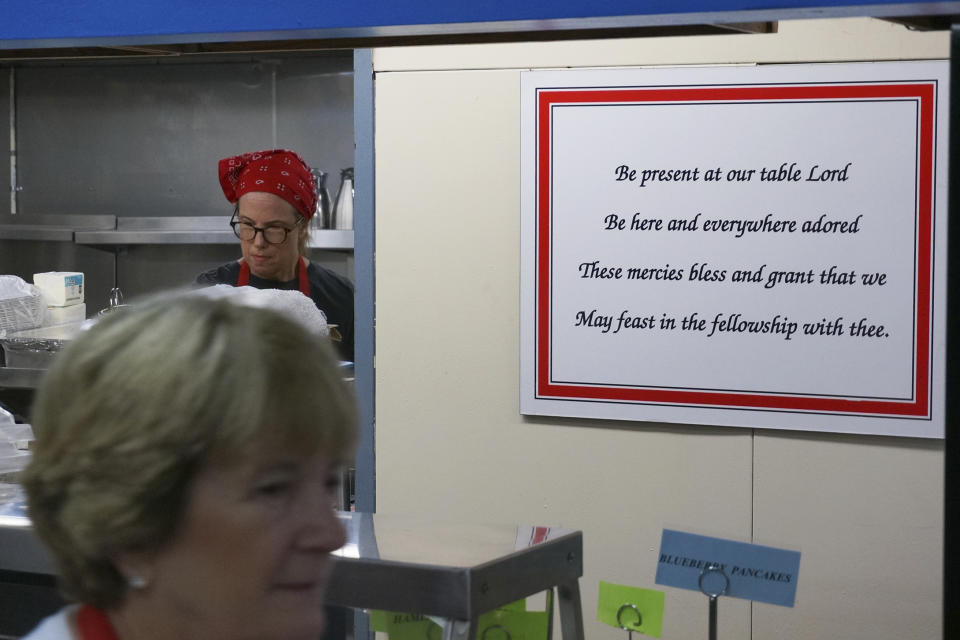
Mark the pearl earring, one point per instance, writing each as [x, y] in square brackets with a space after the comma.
[137, 582]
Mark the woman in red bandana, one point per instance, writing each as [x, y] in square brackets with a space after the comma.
[275, 198]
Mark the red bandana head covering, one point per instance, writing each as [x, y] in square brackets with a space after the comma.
[277, 171]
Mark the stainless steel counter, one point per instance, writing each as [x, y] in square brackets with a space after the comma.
[453, 571]
[19, 548]
[15, 378]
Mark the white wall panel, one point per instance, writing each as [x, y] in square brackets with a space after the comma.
[450, 441]
[867, 513]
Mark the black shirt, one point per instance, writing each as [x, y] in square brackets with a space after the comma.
[331, 292]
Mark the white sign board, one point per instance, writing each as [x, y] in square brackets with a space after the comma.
[754, 246]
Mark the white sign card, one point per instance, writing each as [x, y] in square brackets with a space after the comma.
[759, 246]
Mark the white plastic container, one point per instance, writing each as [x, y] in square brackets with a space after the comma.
[60, 288]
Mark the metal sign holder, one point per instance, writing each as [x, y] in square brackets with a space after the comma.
[709, 572]
[625, 607]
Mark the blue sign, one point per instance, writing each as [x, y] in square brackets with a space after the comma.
[61, 22]
[735, 569]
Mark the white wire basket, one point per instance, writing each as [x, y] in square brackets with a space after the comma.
[21, 305]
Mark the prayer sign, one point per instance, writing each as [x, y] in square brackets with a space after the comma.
[754, 246]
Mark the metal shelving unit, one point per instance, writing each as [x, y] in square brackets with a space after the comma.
[109, 231]
[187, 230]
[54, 228]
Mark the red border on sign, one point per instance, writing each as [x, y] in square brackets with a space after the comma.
[918, 406]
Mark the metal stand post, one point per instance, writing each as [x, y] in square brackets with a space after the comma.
[571, 616]
[713, 583]
[712, 624]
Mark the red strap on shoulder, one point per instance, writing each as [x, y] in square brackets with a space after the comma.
[302, 283]
[94, 624]
[244, 278]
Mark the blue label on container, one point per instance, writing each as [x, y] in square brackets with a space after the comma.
[73, 281]
[748, 571]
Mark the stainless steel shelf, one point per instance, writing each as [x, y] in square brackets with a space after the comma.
[20, 378]
[118, 237]
[334, 240]
[53, 228]
[109, 232]
[36, 232]
[191, 230]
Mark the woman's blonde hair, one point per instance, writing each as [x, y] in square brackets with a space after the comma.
[138, 403]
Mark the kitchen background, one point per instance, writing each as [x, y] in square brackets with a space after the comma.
[141, 137]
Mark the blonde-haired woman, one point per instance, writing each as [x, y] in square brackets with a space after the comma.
[184, 474]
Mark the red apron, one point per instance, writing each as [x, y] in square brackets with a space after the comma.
[302, 283]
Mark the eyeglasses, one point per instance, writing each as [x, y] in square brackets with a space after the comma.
[273, 235]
